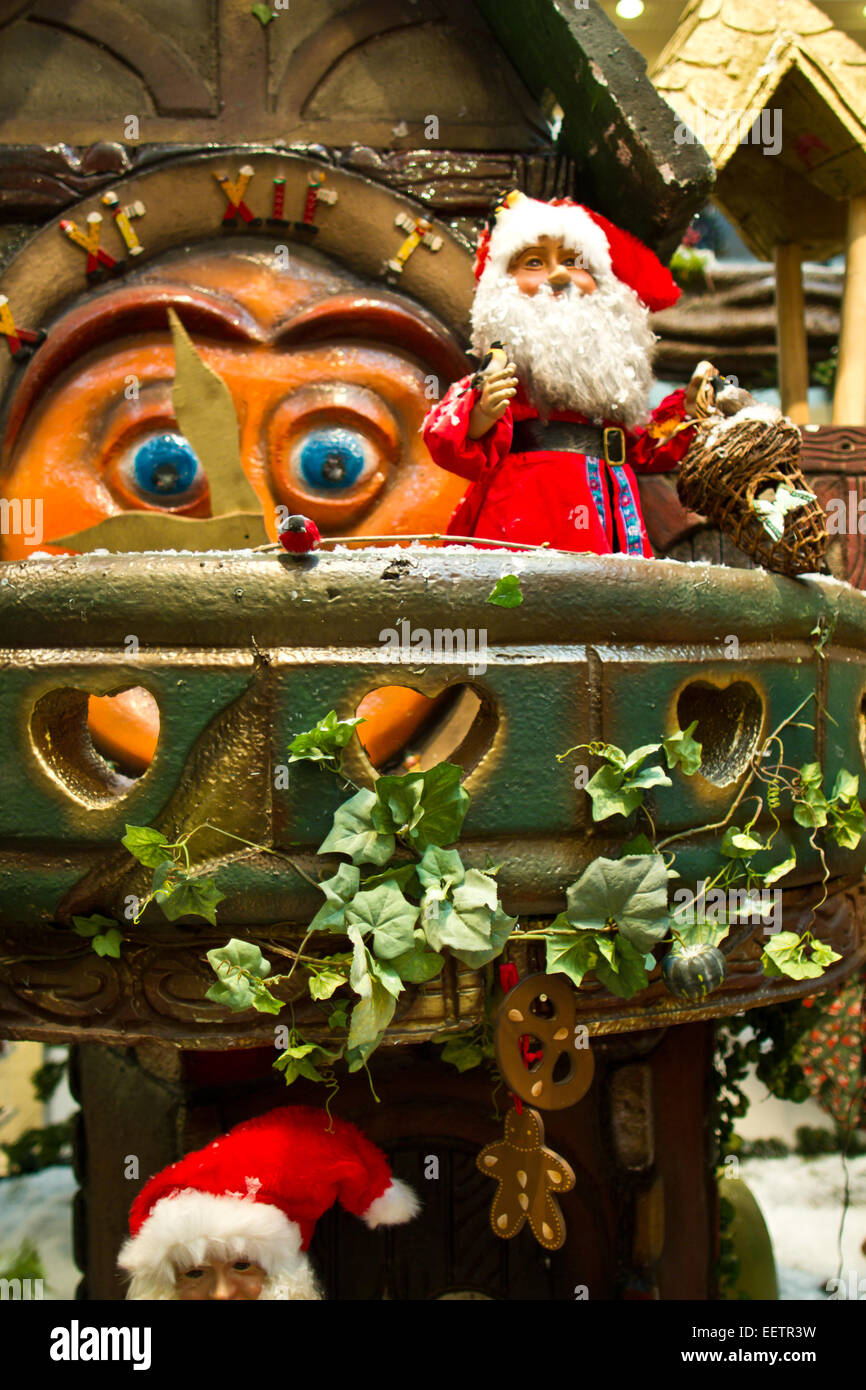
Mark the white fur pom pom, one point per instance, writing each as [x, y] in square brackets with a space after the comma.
[398, 1203]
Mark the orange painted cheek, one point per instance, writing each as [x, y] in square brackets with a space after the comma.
[53, 467]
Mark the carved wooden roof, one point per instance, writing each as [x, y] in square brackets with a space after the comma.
[731, 60]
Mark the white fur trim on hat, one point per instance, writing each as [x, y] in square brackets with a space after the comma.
[527, 219]
[398, 1203]
[190, 1226]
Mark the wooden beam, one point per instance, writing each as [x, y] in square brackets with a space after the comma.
[791, 332]
[849, 402]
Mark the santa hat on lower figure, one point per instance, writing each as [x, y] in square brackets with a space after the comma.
[256, 1194]
[605, 249]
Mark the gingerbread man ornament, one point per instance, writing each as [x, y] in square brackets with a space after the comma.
[529, 1178]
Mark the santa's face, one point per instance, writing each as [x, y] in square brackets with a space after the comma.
[550, 263]
[580, 340]
[220, 1279]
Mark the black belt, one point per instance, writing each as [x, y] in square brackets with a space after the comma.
[561, 436]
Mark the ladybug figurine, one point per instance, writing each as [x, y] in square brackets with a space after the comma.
[299, 535]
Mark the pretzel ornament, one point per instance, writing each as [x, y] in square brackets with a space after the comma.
[542, 1007]
[529, 1177]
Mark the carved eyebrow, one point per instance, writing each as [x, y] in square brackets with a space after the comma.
[376, 318]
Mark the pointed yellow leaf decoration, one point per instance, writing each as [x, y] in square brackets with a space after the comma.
[206, 417]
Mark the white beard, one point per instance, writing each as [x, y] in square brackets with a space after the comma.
[591, 353]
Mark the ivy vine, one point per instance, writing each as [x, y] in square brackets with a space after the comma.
[402, 901]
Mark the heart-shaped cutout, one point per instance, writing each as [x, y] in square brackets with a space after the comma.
[729, 724]
[92, 762]
[407, 731]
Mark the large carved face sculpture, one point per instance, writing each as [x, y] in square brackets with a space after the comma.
[330, 381]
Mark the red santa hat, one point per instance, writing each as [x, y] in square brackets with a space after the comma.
[256, 1194]
[606, 249]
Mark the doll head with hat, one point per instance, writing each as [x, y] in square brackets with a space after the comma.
[570, 295]
[233, 1220]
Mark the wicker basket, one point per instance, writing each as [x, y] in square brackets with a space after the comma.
[734, 461]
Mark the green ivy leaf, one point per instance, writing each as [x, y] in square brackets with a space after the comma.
[398, 803]
[811, 813]
[845, 787]
[823, 955]
[357, 1057]
[462, 931]
[146, 845]
[196, 897]
[244, 954]
[165, 870]
[477, 890]
[647, 777]
[847, 824]
[780, 870]
[386, 913]
[444, 803]
[681, 748]
[354, 833]
[371, 1016]
[324, 982]
[640, 755]
[304, 1059]
[109, 944]
[462, 1053]
[418, 965]
[440, 869]
[235, 993]
[338, 890]
[786, 954]
[366, 970]
[264, 1002]
[700, 932]
[89, 926]
[324, 740]
[501, 927]
[621, 968]
[234, 990]
[811, 775]
[570, 953]
[339, 1015]
[402, 874]
[262, 14]
[739, 844]
[609, 796]
[632, 892]
[506, 592]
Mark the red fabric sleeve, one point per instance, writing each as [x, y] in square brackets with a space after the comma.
[656, 448]
[446, 434]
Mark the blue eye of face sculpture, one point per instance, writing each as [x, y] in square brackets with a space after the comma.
[164, 467]
[331, 459]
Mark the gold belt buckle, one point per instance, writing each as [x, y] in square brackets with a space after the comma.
[614, 445]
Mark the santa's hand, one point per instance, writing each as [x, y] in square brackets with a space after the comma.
[496, 393]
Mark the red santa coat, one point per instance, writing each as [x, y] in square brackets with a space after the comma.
[560, 497]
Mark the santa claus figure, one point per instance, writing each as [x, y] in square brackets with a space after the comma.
[234, 1220]
[552, 434]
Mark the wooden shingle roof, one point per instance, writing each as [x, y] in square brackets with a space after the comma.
[790, 176]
